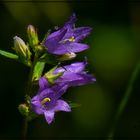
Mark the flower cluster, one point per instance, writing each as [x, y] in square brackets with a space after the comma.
[61, 45]
[48, 101]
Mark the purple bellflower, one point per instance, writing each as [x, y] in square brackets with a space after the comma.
[48, 101]
[74, 75]
[67, 39]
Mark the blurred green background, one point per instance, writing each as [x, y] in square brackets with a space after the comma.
[113, 54]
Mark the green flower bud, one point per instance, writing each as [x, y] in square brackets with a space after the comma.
[52, 77]
[22, 50]
[23, 109]
[32, 35]
[67, 56]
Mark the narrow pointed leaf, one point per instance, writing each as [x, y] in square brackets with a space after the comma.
[8, 55]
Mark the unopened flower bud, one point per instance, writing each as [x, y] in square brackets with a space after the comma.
[23, 109]
[32, 35]
[67, 56]
[21, 49]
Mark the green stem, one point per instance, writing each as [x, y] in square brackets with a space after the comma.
[25, 128]
[28, 92]
[124, 100]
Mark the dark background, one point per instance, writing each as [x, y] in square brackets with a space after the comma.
[113, 54]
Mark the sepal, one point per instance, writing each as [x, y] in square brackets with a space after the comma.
[52, 77]
[67, 56]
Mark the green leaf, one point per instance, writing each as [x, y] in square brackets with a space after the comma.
[39, 67]
[9, 55]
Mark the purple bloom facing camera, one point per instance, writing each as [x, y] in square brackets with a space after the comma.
[48, 101]
[67, 39]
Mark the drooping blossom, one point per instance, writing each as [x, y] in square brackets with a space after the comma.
[67, 39]
[74, 75]
[48, 101]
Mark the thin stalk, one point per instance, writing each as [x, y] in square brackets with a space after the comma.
[28, 92]
[25, 129]
[124, 100]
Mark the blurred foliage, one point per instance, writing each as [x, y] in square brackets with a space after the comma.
[113, 53]
[96, 106]
[23, 12]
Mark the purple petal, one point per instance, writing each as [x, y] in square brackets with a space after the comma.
[52, 41]
[75, 67]
[61, 105]
[81, 32]
[78, 33]
[74, 79]
[69, 77]
[43, 83]
[36, 106]
[59, 90]
[77, 47]
[49, 116]
[69, 34]
[85, 79]
[69, 48]
[58, 49]
[71, 21]
[56, 36]
[48, 92]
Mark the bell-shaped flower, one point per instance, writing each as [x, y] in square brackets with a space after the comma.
[74, 74]
[67, 39]
[48, 101]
